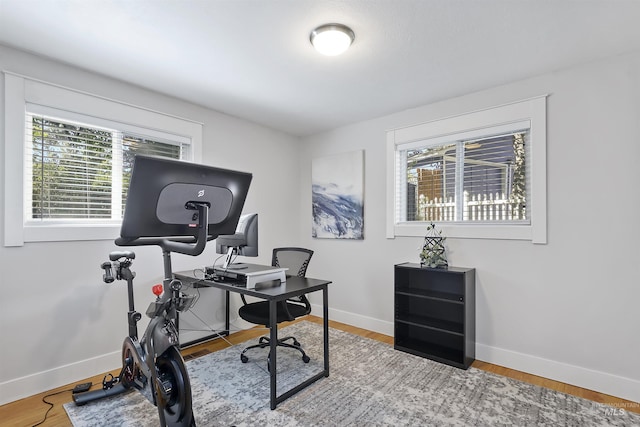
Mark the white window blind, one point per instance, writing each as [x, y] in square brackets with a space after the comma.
[80, 172]
[483, 179]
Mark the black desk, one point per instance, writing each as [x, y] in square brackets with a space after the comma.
[294, 286]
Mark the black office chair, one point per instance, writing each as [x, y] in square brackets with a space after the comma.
[297, 261]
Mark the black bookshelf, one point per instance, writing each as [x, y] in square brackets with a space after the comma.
[435, 313]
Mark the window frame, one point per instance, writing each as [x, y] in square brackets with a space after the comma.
[21, 91]
[532, 110]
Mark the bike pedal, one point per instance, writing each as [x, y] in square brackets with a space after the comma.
[109, 381]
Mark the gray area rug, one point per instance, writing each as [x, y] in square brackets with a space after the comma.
[370, 384]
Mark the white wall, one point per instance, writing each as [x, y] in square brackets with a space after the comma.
[60, 323]
[566, 310]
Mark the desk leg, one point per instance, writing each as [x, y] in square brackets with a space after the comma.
[273, 338]
[226, 314]
[325, 316]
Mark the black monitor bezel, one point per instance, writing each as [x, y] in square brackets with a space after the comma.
[151, 175]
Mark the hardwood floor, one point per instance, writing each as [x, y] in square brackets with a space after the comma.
[31, 410]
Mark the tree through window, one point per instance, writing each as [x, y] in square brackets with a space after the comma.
[82, 172]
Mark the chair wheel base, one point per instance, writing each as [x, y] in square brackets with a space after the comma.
[264, 342]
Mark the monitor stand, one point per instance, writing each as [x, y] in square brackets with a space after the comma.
[228, 265]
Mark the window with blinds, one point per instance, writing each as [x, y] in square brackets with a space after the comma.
[479, 176]
[80, 172]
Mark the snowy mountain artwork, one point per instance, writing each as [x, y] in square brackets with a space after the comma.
[337, 196]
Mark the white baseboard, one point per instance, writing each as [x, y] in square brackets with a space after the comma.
[602, 382]
[364, 322]
[29, 385]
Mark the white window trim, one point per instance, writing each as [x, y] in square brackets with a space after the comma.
[533, 110]
[21, 90]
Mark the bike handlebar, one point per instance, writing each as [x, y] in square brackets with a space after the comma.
[187, 245]
[116, 255]
[107, 277]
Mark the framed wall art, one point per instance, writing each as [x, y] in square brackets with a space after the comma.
[337, 196]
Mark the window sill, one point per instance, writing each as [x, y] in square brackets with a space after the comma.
[68, 232]
[469, 231]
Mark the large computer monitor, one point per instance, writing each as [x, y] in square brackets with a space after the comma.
[243, 242]
[162, 195]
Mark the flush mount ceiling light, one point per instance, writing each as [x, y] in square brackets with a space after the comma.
[332, 39]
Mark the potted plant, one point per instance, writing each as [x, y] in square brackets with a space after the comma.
[433, 254]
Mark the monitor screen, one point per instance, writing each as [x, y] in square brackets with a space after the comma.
[161, 189]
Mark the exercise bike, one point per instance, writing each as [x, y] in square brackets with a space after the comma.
[179, 206]
[154, 365]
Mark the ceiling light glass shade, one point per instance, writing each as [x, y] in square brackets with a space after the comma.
[332, 39]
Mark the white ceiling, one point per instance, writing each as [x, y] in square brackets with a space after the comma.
[253, 59]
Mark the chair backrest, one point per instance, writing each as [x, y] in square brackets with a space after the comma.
[295, 259]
